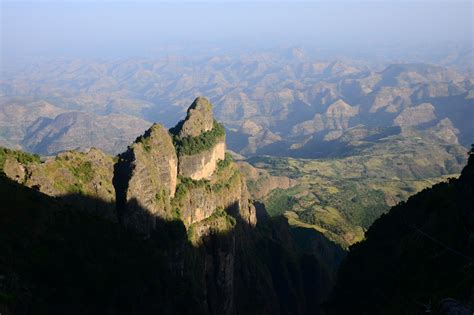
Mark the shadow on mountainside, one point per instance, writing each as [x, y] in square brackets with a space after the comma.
[57, 259]
[418, 258]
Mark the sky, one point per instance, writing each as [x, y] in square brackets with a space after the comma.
[126, 28]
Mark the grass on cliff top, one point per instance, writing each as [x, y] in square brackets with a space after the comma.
[22, 157]
[205, 141]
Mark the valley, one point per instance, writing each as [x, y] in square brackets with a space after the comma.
[341, 197]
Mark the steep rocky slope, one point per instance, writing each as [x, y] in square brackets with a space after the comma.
[200, 239]
[261, 183]
[145, 179]
[417, 258]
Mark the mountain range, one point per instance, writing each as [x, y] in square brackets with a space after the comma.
[285, 102]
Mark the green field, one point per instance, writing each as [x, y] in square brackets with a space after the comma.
[342, 197]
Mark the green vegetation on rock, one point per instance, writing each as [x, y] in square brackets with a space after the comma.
[20, 156]
[83, 171]
[226, 162]
[203, 142]
[279, 202]
[219, 222]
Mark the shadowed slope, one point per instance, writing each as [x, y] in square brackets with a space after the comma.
[414, 257]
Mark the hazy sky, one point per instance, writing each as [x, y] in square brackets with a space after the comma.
[113, 28]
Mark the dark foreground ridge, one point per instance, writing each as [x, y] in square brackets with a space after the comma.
[418, 258]
[60, 260]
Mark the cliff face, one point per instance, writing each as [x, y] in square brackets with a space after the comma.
[199, 199]
[417, 115]
[208, 180]
[145, 179]
[202, 165]
[200, 141]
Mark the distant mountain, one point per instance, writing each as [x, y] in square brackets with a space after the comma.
[46, 129]
[418, 258]
[80, 130]
[289, 95]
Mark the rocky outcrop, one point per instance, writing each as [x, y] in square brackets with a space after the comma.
[338, 115]
[261, 183]
[202, 165]
[14, 170]
[145, 180]
[72, 176]
[417, 115]
[225, 189]
[200, 141]
[193, 185]
[199, 118]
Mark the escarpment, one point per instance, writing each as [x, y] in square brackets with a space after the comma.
[184, 205]
[182, 173]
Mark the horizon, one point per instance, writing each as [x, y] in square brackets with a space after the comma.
[105, 29]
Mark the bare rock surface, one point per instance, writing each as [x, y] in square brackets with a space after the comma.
[202, 165]
[145, 179]
[199, 118]
[417, 115]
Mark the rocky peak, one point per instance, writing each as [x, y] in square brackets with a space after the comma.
[199, 118]
[199, 141]
[145, 179]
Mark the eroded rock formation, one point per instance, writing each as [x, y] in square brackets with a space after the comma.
[145, 180]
